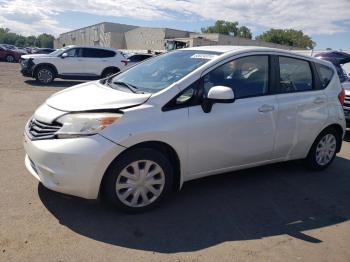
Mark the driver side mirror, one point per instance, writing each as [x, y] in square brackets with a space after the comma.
[64, 55]
[217, 94]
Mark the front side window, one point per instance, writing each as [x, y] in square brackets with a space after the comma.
[247, 76]
[74, 52]
[161, 71]
[295, 75]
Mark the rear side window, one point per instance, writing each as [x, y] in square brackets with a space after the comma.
[295, 75]
[325, 74]
[138, 58]
[97, 53]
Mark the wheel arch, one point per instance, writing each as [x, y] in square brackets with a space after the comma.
[165, 149]
[38, 66]
[339, 129]
[110, 68]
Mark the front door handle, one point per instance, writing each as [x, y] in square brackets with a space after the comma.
[266, 108]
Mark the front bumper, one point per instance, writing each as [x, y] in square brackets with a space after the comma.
[27, 72]
[71, 166]
[27, 67]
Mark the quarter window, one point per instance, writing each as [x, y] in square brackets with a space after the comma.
[295, 75]
[247, 76]
[325, 74]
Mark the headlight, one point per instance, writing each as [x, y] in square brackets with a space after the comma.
[85, 124]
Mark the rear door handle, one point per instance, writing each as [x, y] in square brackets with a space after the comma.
[319, 100]
[266, 108]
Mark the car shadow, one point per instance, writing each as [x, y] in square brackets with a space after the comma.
[251, 204]
[56, 83]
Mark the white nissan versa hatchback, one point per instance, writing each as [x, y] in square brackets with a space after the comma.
[190, 113]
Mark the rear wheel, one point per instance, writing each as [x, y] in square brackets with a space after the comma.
[138, 180]
[44, 75]
[323, 150]
[10, 58]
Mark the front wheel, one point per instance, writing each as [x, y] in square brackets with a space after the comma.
[44, 75]
[323, 150]
[138, 180]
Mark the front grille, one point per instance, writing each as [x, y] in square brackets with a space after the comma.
[40, 130]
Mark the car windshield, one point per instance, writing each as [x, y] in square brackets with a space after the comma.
[59, 51]
[160, 72]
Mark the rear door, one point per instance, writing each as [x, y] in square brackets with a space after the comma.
[96, 60]
[302, 104]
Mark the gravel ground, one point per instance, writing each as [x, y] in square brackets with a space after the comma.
[272, 213]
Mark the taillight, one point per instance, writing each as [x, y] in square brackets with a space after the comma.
[125, 62]
[341, 96]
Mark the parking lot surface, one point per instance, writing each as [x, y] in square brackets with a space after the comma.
[273, 213]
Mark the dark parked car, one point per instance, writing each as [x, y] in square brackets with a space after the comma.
[9, 55]
[43, 50]
[137, 58]
[337, 59]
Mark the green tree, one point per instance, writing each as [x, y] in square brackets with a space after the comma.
[244, 32]
[20, 41]
[8, 37]
[45, 40]
[228, 28]
[288, 37]
[222, 27]
[4, 30]
[31, 40]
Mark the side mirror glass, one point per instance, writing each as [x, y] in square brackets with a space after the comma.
[64, 55]
[218, 94]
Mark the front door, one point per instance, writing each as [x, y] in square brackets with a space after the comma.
[236, 134]
[72, 64]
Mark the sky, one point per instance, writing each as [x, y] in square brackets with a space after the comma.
[327, 22]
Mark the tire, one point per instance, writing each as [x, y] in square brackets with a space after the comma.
[44, 75]
[109, 72]
[134, 193]
[10, 58]
[318, 158]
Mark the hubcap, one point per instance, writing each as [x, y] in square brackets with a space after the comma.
[140, 183]
[326, 149]
[45, 76]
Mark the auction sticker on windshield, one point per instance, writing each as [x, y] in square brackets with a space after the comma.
[204, 56]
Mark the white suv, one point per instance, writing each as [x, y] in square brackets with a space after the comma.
[186, 114]
[73, 62]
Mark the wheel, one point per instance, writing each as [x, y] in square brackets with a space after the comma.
[109, 72]
[44, 75]
[10, 58]
[138, 180]
[323, 150]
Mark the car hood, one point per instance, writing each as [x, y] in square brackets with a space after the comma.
[94, 96]
[33, 56]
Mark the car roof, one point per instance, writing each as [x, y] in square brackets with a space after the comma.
[88, 46]
[230, 49]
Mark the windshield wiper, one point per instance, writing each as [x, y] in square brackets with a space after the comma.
[129, 86]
